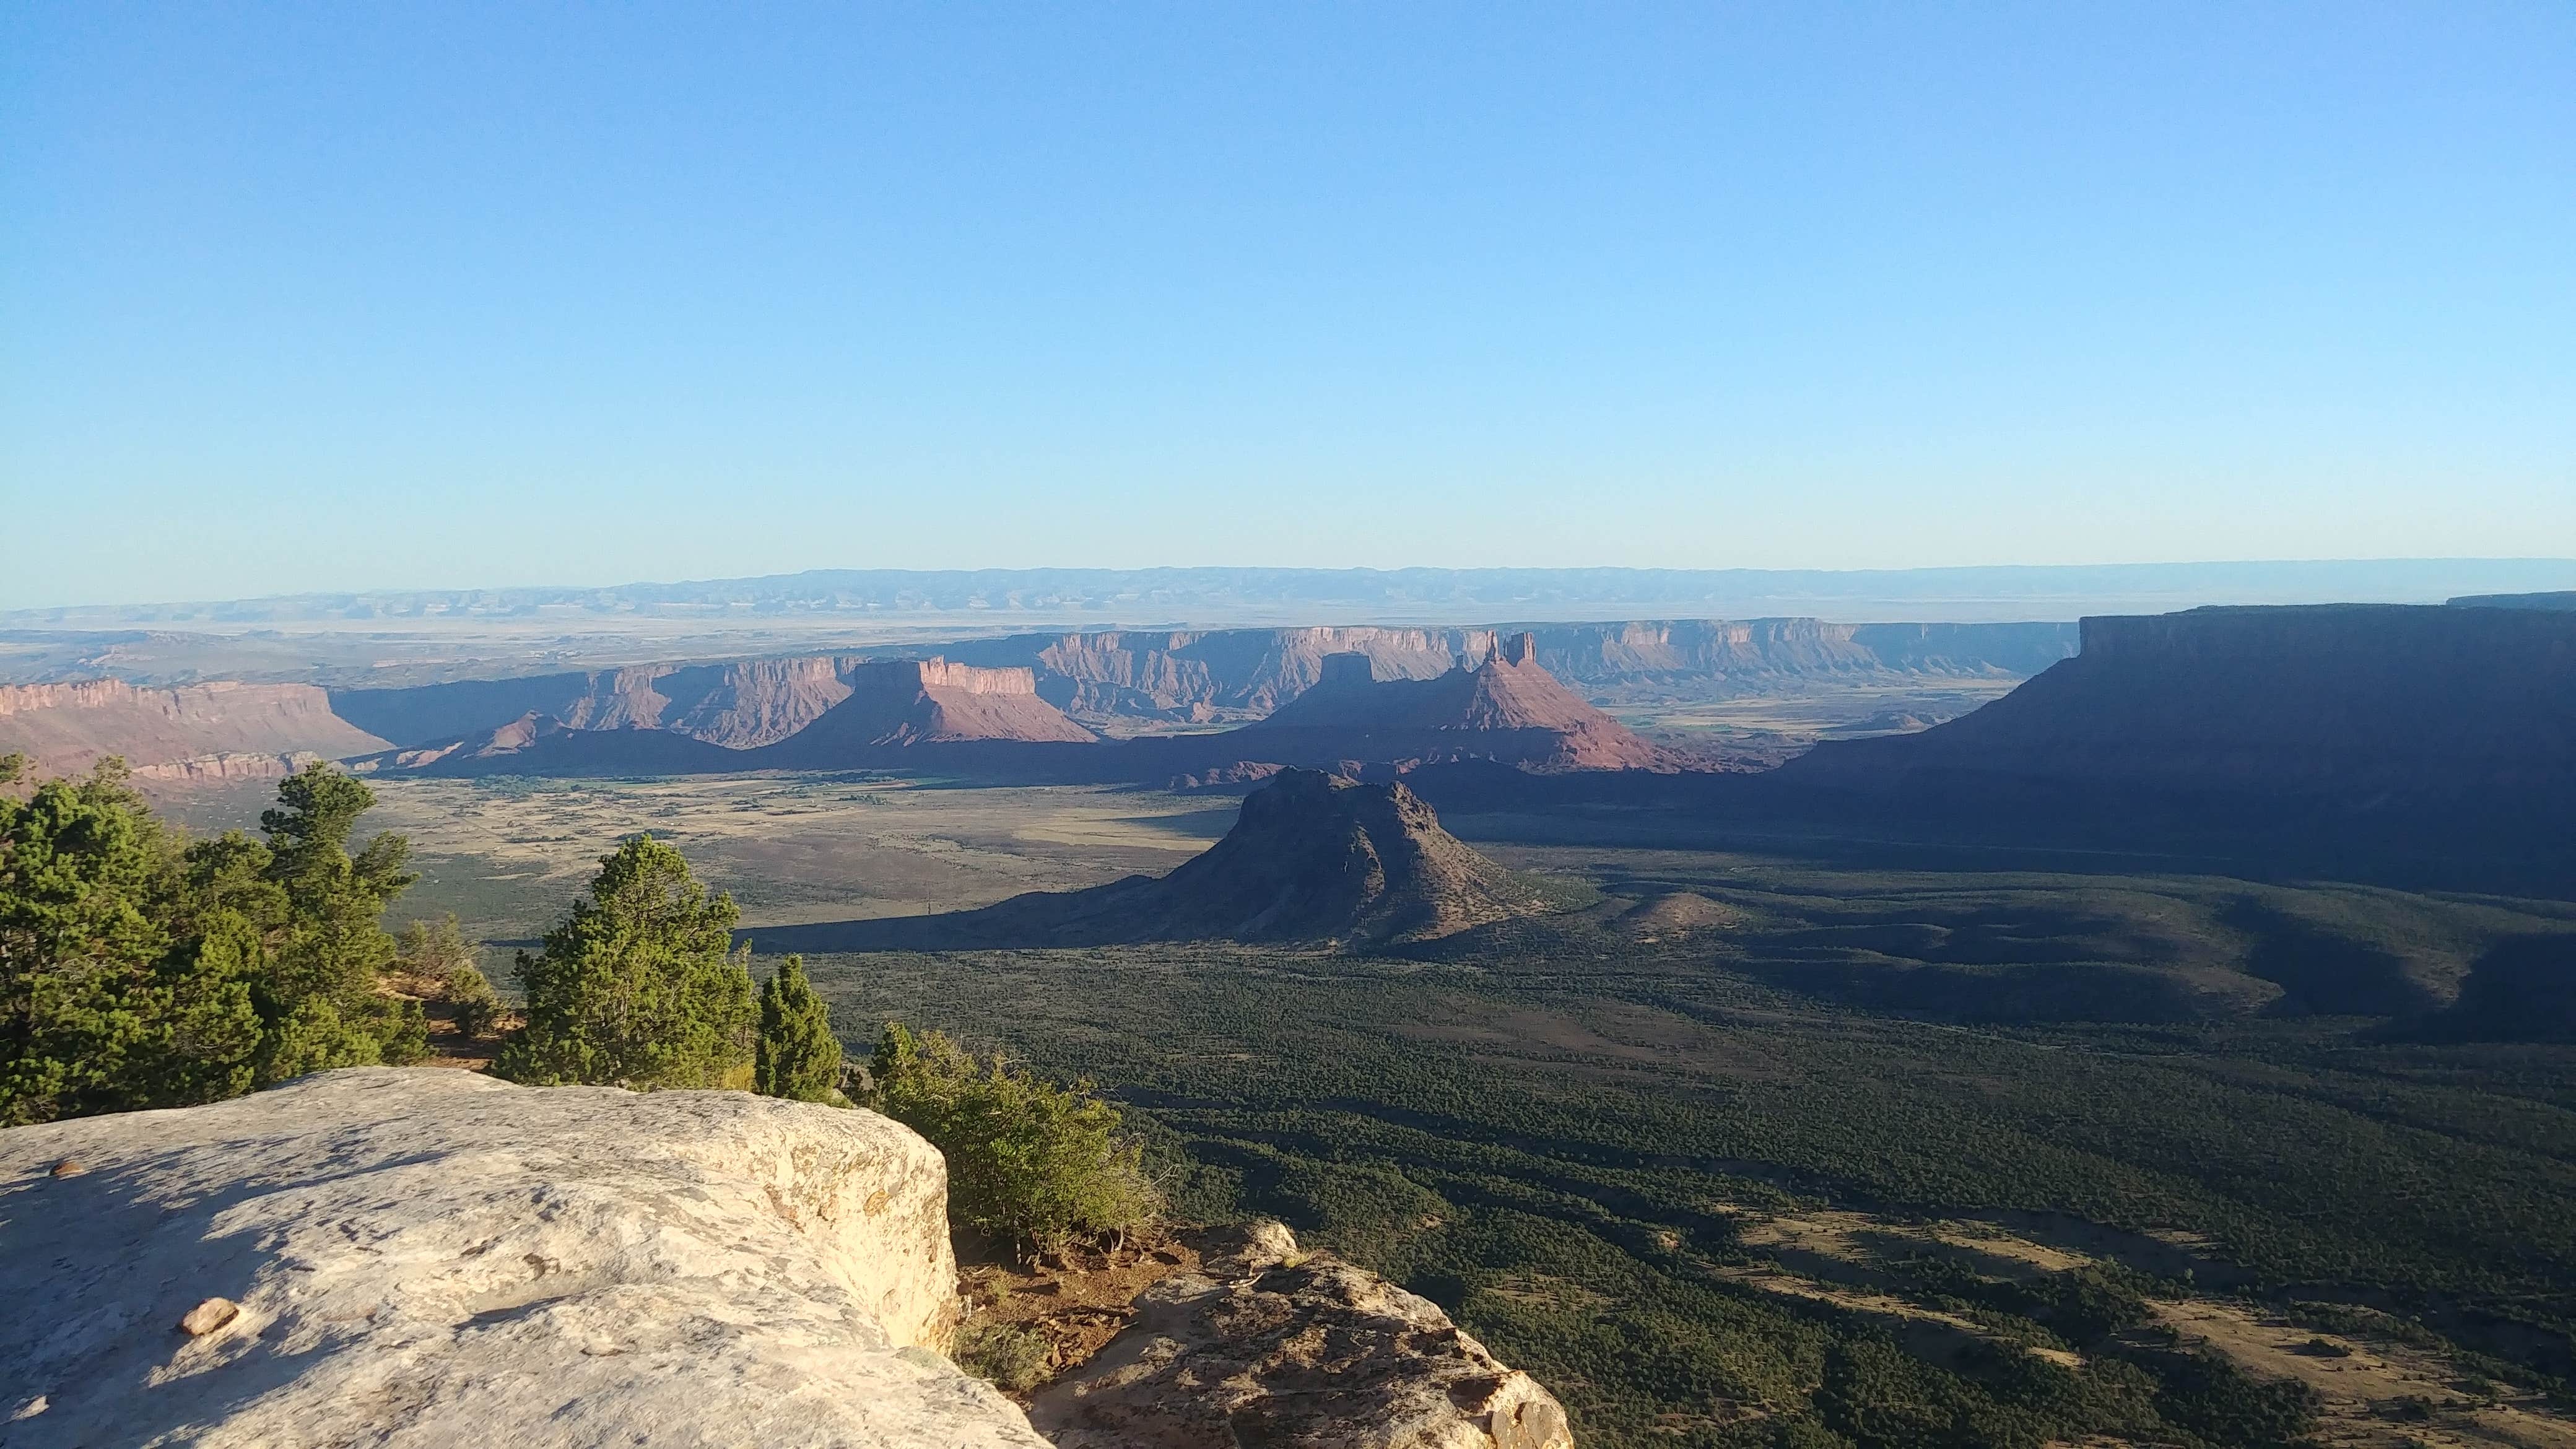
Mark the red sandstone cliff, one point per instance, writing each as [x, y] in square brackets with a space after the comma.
[928, 701]
[68, 727]
[1507, 708]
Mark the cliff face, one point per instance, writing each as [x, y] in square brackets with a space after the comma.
[740, 705]
[2349, 702]
[68, 727]
[1508, 708]
[1248, 673]
[1229, 675]
[1219, 674]
[906, 702]
[431, 1258]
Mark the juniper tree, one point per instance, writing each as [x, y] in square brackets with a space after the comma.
[319, 997]
[114, 994]
[638, 987]
[1029, 1162]
[796, 1055]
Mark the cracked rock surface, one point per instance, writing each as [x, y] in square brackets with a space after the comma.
[427, 1257]
[1292, 1351]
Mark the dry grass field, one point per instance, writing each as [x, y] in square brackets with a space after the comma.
[1804, 715]
[507, 855]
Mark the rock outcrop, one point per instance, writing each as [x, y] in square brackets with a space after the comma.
[1312, 857]
[1298, 1351]
[221, 769]
[424, 1257]
[899, 703]
[69, 727]
[1507, 708]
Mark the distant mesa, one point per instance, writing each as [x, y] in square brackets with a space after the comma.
[192, 732]
[1025, 707]
[904, 702]
[1506, 708]
[2345, 702]
[2565, 599]
[535, 744]
[1227, 676]
[741, 705]
[877, 707]
[1312, 857]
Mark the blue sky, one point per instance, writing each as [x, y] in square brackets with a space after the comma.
[313, 296]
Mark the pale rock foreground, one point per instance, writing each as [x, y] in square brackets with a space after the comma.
[1269, 1346]
[431, 1258]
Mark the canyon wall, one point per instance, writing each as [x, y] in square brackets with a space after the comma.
[68, 727]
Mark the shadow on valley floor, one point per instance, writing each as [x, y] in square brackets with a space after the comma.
[1710, 1211]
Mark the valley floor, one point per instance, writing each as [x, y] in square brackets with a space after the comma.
[1757, 1149]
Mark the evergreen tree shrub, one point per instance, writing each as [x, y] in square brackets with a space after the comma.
[796, 1055]
[1030, 1163]
[639, 987]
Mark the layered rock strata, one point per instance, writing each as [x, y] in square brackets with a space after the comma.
[69, 727]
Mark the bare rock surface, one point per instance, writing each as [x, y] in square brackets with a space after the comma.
[1297, 1352]
[431, 1258]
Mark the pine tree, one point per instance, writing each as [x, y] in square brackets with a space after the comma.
[797, 1056]
[319, 995]
[637, 987]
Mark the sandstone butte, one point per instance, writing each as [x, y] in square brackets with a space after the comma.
[425, 1258]
[1507, 707]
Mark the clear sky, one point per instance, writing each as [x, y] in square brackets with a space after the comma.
[331, 296]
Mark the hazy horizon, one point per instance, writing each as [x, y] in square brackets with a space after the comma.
[1198, 596]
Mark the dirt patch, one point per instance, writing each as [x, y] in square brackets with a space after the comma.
[1075, 1303]
[2374, 1394]
[1675, 916]
[1824, 1256]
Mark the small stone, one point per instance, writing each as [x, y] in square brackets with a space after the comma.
[69, 1167]
[208, 1316]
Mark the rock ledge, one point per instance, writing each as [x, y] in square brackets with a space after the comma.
[1294, 1351]
[426, 1257]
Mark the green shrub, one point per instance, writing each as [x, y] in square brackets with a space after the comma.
[639, 987]
[137, 970]
[1007, 1356]
[796, 1055]
[1029, 1163]
[441, 962]
[477, 1005]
